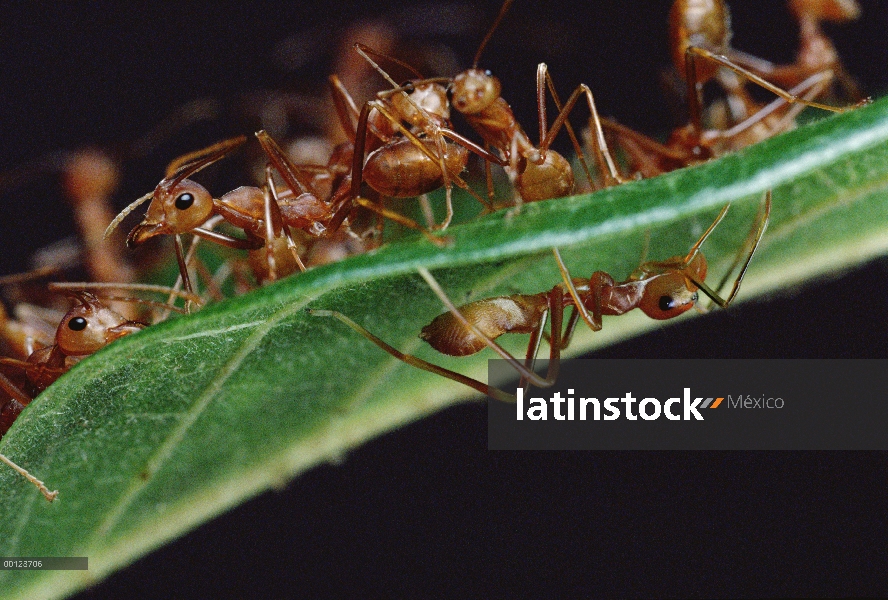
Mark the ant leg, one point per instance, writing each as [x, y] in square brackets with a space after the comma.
[137, 287]
[183, 266]
[755, 236]
[488, 156]
[275, 225]
[405, 221]
[567, 336]
[428, 214]
[448, 186]
[605, 161]
[692, 253]
[533, 348]
[13, 390]
[811, 87]
[270, 224]
[417, 362]
[646, 146]
[554, 301]
[488, 178]
[346, 109]
[273, 204]
[593, 319]
[40, 485]
[192, 250]
[694, 52]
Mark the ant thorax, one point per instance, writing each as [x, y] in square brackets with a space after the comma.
[424, 107]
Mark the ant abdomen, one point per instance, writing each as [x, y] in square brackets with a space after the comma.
[520, 313]
[402, 170]
[552, 178]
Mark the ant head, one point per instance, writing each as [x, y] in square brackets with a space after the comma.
[90, 326]
[667, 295]
[178, 204]
[431, 98]
[474, 90]
[176, 208]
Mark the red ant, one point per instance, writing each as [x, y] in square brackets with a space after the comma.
[684, 147]
[816, 51]
[406, 162]
[180, 205]
[409, 165]
[661, 289]
[85, 329]
[699, 29]
[540, 173]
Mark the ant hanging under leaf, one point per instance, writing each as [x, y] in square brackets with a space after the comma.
[661, 289]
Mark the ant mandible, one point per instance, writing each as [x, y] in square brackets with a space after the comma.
[661, 289]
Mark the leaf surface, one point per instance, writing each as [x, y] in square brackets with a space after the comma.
[168, 427]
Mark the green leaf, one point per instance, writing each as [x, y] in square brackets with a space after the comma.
[166, 428]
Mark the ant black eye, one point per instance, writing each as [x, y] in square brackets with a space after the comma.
[694, 297]
[77, 324]
[408, 87]
[666, 303]
[184, 201]
[488, 73]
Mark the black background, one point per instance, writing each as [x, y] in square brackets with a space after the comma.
[427, 510]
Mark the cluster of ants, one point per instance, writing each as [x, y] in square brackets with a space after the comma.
[402, 144]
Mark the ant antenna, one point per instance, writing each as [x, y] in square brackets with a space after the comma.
[366, 51]
[502, 13]
[125, 212]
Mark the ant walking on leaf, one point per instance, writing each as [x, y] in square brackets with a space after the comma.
[661, 289]
[699, 39]
[539, 172]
